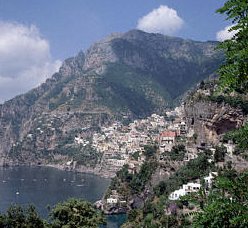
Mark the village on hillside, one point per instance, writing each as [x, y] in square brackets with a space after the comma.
[125, 145]
[120, 144]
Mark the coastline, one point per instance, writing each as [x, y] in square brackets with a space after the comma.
[79, 169]
[75, 168]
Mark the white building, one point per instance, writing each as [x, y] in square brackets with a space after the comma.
[116, 162]
[191, 187]
[112, 200]
[186, 189]
[177, 194]
[209, 179]
[230, 147]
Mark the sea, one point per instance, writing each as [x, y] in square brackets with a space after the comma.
[44, 187]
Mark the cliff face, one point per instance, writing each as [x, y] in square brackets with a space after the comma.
[211, 120]
[122, 77]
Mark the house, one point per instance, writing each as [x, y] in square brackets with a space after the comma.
[182, 128]
[191, 187]
[78, 139]
[209, 179]
[190, 156]
[112, 200]
[116, 162]
[230, 148]
[177, 194]
[186, 189]
[166, 140]
[134, 166]
[167, 137]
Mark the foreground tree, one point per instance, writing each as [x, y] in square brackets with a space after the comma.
[75, 213]
[227, 203]
[234, 72]
[19, 217]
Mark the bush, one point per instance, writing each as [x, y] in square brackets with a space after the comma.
[178, 152]
[219, 155]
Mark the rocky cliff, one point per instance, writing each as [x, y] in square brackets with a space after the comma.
[122, 77]
[211, 116]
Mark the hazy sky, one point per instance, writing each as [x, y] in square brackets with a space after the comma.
[36, 35]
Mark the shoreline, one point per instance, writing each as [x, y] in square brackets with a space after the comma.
[80, 169]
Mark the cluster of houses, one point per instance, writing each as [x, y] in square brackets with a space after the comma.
[193, 187]
[118, 143]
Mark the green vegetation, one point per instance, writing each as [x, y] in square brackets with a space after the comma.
[234, 72]
[19, 217]
[175, 73]
[153, 212]
[177, 152]
[136, 155]
[127, 183]
[118, 90]
[219, 155]
[226, 204]
[239, 137]
[233, 101]
[150, 150]
[194, 169]
[73, 213]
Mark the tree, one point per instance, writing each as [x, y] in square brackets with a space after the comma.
[234, 72]
[75, 213]
[19, 217]
[178, 152]
[219, 155]
[150, 150]
[227, 202]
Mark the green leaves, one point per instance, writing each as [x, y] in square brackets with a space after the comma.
[240, 137]
[75, 213]
[227, 203]
[234, 72]
[19, 217]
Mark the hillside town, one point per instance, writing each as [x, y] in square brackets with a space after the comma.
[120, 144]
[124, 144]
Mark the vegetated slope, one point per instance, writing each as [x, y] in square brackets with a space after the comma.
[122, 77]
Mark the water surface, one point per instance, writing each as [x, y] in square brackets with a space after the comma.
[43, 186]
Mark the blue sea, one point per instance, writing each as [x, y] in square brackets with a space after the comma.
[45, 186]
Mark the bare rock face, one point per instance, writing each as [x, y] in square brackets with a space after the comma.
[99, 55]
[212, 120]
[73, 66]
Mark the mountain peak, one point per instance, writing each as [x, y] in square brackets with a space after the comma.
[122, 77]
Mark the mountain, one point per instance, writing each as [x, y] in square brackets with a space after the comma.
[122, 77]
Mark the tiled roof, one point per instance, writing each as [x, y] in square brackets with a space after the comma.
[168, 134]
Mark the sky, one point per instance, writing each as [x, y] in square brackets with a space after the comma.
[37, 35]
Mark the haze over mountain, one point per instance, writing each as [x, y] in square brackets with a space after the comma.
[122, 77]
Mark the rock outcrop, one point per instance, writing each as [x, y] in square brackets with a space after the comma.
[211, 120]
